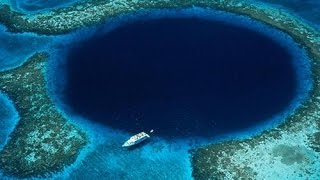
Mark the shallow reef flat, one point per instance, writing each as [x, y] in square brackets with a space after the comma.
[43, 141]
[289, 151]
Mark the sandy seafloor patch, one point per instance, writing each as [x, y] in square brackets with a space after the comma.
[104, 158]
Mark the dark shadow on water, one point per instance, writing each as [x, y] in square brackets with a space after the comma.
[180, 77]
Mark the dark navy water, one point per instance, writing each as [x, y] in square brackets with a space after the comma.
[179, 76]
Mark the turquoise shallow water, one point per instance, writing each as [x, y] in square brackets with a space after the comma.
[158, 159]
[309, 10]
[9, 118]
[16, 48]
[36, 6]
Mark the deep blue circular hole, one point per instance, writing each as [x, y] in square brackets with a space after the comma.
[179, 76]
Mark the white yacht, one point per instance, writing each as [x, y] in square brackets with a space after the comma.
[136, 139]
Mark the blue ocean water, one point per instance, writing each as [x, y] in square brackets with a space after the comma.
[180, 77]
[35, 6]
[16, 48]
[8, 119]
[103, 158]
[307, 9]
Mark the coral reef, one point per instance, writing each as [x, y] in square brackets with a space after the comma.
[44, 145]
[43, 141]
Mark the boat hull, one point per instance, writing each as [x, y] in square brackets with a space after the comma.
[136, 139]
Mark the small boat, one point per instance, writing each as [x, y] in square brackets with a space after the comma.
[136, 139]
